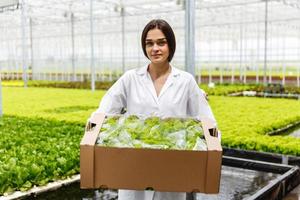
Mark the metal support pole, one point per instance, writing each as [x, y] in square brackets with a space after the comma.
[24, 52]
[111, 61]
[210, 61]
[241, 50]
[73, 44]
[138, 43]
[138, 49]
[10, 58]
[123, 38]
[190, 36]
[266, 43]
[233, 60]
[245, 58]
[271, 49]
[92, 47]
[298, 68]
[252, 61]
[227, 49]
[258, 54]
[221, 57]
[284, 62]
[31, 49]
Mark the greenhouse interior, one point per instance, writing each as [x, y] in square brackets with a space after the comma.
[60, 59]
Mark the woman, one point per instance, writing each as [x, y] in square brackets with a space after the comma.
[156, 89]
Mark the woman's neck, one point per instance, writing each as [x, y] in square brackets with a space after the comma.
[158, 70]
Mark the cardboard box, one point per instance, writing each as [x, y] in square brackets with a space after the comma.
[160, 170]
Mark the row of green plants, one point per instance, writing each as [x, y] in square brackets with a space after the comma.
[217, 89]
[36, 151]
[103, 85]
[70, 105]
[225, 89]
[51, 120]
[246, 121]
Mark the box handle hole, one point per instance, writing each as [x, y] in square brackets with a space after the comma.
[213, 132]
[149, 188]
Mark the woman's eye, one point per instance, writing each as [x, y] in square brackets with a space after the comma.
[161, 43]
[149, 44]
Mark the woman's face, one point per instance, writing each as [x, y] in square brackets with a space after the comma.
[157, 46]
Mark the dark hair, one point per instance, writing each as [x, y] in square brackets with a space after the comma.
[167, 31]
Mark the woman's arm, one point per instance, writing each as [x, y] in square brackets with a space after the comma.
[197, 103]
[198, 106]
[114, 100]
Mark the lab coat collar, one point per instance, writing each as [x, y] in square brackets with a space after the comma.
[144, 70]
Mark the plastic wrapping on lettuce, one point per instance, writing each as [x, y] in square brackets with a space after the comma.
[153, 132]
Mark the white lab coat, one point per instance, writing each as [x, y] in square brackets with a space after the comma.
[179, 97]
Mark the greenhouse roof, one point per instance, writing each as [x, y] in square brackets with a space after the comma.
[208, 12]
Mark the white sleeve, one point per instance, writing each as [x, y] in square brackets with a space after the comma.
[114, 100]
[197, 104]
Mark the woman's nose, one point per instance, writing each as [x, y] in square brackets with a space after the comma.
[155, 47]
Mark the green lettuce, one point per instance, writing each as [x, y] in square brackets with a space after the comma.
[152, 132]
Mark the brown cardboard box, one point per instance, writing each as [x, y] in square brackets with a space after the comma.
[140, 169]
